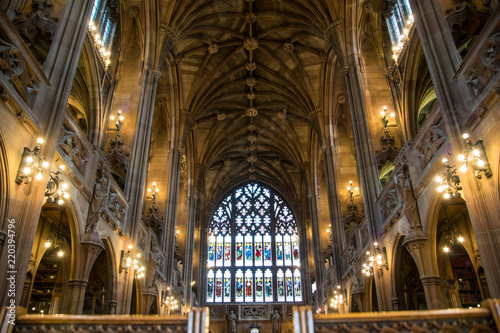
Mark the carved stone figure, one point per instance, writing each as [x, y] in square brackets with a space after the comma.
[276, 322]
[232, 322]
[405, 195]
[98, 200]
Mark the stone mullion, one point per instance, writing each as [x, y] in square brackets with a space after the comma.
[203, 270]
[443, 61]
[318, 256]
[367, 169]
[188, 264]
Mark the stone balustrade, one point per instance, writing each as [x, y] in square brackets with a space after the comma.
[196, 322]
[484, 319]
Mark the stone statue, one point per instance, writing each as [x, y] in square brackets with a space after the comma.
[98, 200]
[405, 195]
[276, 322]
[232, 322]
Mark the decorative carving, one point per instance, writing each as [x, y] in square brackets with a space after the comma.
[250, 66]
[251, 81]
[38, 24]
[15, 68]
[250, 17]
[116, 206]
[250, 43]
[71, 144]
[96, 207]
[252, 112]
[252, 138]
[221, 116]
[254, 312]
[485, 66]
[406, 198]
[183, 171]
[432, 140]
[251, 127]
[288, 47]
[252, 159]
[213, 48]
[179, 58]
[251, 95]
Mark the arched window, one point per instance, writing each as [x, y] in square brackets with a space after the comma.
[253, 249]
[399, 22]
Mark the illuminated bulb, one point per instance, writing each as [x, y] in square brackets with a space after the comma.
[328, 230]
[445, 160]
[156, 190]
[40, 141]
[154, 184]
[38, 176]
[446, 249]
[41, 311]
[130, 247]
[476, 152]
[121, 118]
[64, 185]
[356, 188]
[379, 257]
[348, 188]
[440, 189]
[379, 262]
[62, 167]
[112, 117]
[127, 264]
[138, 255]
[60, 201]
[375, 244]
[29, 159]
[461, 157]
[47, 244]
[27, 170]
[465, 136]
[60, 253]
[439, 179]
[393, 114]
[480, 163]
[461, 239]
[382, 113]
[66, 196]
[447, 195]
[367, 253]
[463, 168]
[33, 309]
[372, 258]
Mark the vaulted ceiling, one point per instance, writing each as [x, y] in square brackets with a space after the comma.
[251, 75]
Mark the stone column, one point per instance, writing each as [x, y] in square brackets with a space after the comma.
[319, 267]
[91, 246]
[76, 295]
[171, 213]
[418, 247]
[112, 307]
[444, 61]
[188, 261]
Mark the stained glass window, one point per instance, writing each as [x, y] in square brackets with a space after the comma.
[253, 249]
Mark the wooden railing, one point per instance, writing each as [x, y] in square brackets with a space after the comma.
[484, 319]
[196, 322]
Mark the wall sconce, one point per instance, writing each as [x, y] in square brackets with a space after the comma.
[118, 123]
[31, 165]
[339, 298]
[449, 181]
[380, 257]
[99, 44]
[153, 192]
[56, 188]
[385, 119]
[476, 157]
[169, 301]
[126, 261]
[351, 190]
[450, 233]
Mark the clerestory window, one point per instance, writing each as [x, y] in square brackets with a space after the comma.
[253, 249]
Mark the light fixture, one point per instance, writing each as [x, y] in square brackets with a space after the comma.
[385, 118]
[126, 261]
[338, 298]
[351, 190]
[153, 192]
[450, 234]
[169, 301]
[475, 156]
[99, 44]
[403, 38]
[118, 124]
[56, 236]
[379, 257]
[31, 164]
[449, 181]
[56, 188]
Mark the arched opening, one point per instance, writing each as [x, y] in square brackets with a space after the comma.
[458, 257]
[99, 290]
[426, 105]
[253, 249]
[409, 287]
[51, 260]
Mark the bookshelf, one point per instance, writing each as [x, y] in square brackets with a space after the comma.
[466, 281]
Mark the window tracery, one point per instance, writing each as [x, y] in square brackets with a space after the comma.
[253, 249]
